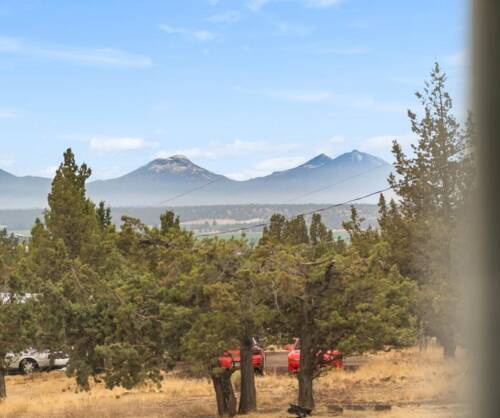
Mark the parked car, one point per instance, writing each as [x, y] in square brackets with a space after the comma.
[332, 358]
[230, 359]
[31, 360]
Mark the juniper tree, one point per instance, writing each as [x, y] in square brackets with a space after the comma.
[71, 265]
[16, 319]
[351, 302]
[210, 288]
[104, 218]
[432, 185]
[228, 302]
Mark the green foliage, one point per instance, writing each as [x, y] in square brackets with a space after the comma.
[352, 301]
[104, 218]
[225, 302]
[72, 266]
[362, 240]
[433, 186]
[17, 325]
[168, 221]
[71, 216]
[318, 231]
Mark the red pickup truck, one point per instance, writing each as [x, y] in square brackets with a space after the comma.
[230, 359]
[330, 358]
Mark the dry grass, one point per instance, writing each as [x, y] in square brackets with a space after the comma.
[401, 378]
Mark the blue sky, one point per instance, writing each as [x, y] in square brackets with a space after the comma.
[242, 87]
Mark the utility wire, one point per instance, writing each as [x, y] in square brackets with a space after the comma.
[190, 191]
[356, 199]
[170, 199]
[208, 234]
[334, 184]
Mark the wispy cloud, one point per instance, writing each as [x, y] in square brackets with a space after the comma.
[48, 171]
[406, 80]
[100, 57]
[318, 4]
[291, 95]
[458, 59]
[114, 144]
[328, 50]
[296, 29]
[322, 3]
[229, 16]
[337, 139]
[383, 143]
[311, 96]
[236, 148]
[257, 4]
[279, 163]
[348, 50]
[370, 103]
[267, 166]
[359, 25]
[7, 162]
[201, 35]
[8, 113]
[333, 145]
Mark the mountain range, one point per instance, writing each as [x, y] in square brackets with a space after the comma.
[177, 181]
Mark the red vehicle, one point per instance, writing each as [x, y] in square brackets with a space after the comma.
[230, 359]
[330, 358]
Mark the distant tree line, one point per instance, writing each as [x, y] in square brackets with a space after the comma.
[22, 219]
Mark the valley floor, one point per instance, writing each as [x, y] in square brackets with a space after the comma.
[415, 384]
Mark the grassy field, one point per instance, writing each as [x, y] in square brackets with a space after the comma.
[415, 384]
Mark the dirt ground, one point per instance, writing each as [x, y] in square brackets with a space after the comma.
[413, 384]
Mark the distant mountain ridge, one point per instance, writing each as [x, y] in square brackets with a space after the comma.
[23, 192]
[322, 179]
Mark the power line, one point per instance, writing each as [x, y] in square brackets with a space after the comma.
[334, 184]
[297, 197]
[163, 202]
[356, 199]
[190, 191]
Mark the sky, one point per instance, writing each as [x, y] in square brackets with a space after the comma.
[241, 87]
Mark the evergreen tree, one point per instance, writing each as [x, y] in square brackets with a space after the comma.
[72, 265]
[216, 320]
[71, 215]
[275, 230]
[104, 218]
[363, 240]
[318, 231]
[16, 314]
[350, 302]
[432, 186]
[295, 231]
[168, 220]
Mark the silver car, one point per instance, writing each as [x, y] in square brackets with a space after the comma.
[32, 360]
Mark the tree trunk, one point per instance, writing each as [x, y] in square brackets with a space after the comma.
[248, 394]
[449, 345]
[422, 338]
[306, 373]
[224, 393]
[3, 389]
[449, 349]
